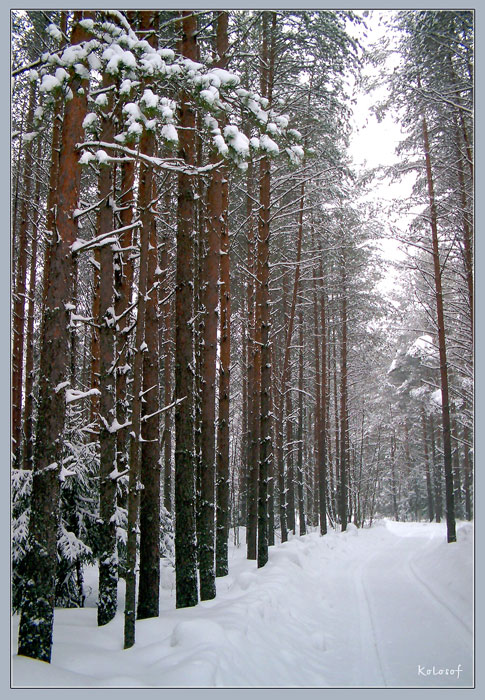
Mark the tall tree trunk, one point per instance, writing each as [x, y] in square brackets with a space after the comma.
[37, 606]
[290, 481]
[52, 195]
[166, 320]
[108, 561]
[253, 352]
[331, 505]
[322, 471]
[19, 172]
[456, 471]
[445, 401]
[280, 462]
[301, 495]
[438, 497]
[222, 500]
[244, 444]
[123, 280]
[210, 300]
[20, 288]
[393, 478]
[28, 416]
[223, 444]
[468, 475]
[254, 360]
[185, 523]
[318, 387]
[429, 488]
[263, 303]
[150, 467]
[343, 404]
[200, 211]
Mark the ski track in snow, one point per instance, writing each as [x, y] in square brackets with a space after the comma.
[437, 599]
[364, 608]
[371, 659]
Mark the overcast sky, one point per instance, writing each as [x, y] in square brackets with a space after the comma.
[373, 144]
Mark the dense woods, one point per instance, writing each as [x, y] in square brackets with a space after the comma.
[200, 337]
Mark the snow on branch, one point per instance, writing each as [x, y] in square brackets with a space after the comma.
[103, 239]
[75, 394]
[162, 410]
[173, 165]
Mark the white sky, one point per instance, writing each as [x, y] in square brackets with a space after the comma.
[374, 143]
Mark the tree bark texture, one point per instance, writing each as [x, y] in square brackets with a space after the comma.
[150, 468]
[223, 444]
[445, 400]
[21, 288]
[108, 560]
[37, 607]
[185, 523]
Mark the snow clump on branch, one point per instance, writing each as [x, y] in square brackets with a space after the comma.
[116, 50]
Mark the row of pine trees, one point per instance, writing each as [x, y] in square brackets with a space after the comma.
[199, 340]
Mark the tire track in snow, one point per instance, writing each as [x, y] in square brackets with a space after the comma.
[436, 598]
[368, 637]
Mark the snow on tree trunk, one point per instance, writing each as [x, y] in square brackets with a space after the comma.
[149, 584]
[223, 437]
[108, 561]
[37, 606]
[185, 523]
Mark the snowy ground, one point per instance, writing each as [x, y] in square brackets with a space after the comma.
[387, 606]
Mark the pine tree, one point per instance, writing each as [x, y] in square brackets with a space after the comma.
[37, 606]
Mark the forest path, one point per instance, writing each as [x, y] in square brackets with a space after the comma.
[418, 633]
[378, 607]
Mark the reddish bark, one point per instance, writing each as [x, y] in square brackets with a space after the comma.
[18, 331]
[37, 607]
[149, 585]
[108, 566]
[445, 401]
[263, 314]
[28, 415]
[185, 524]
[222, 492]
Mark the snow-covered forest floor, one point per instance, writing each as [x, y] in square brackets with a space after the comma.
[387, 606]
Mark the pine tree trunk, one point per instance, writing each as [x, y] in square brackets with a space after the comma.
[166, 321]
[108, 563]
[28, 416]
[457, 472]
[123, 280]
[280, 462]
[445, 401]
[95, 349]
[19, 173]
[429, 489]
[468, 475]
[150, 467]
[210, 300]
[253, 381]
[20, 289]
[223, 471]
[263, 308]
[436, 473]
[37, 606]
[52, 195]
[322, 472]
[134, 483]
[185, 523]
[289, 460]
[343, 407]
[301, 485]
